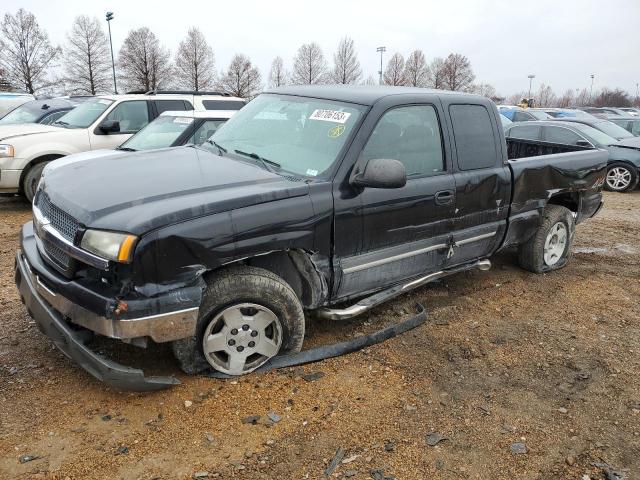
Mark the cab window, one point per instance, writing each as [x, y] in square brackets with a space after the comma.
[411, 135]
[474, 137]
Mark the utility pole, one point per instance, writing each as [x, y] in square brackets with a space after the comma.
[381, 50]
[591, 90]
[531, 76]
[113, 64]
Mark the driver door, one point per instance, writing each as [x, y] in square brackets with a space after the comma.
[405, 230]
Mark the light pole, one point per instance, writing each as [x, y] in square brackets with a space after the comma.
[381, 50]
[531, 76]
[113, 64]
[591, 90]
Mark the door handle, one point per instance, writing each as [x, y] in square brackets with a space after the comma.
[444, 197]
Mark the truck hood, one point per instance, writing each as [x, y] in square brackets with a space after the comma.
[80, 157]
[140, 191]
[23, 129]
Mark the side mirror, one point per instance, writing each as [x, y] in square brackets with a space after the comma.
[381, 173]
[110, 126]
[583, 143]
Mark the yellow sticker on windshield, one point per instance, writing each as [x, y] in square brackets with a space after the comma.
[336, 131]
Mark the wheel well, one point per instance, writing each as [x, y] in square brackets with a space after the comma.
[29, 166]
[570, 200]
[298, 269]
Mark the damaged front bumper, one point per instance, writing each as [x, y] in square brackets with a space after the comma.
[42, 292]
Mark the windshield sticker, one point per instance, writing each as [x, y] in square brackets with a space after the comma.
[105, 102]
[336, 131]
[312, 173]
[185, 120]
[330, 116]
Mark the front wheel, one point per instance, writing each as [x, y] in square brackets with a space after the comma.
[31, 180]
[621, 177]
[248, 316]
[549, 248]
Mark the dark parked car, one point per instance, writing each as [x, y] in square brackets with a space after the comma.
[45, 112]
[518, 114]
[308, 198]
[605, 126]
[630, 124]
[624, 156]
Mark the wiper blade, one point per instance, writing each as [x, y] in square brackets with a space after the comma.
[220, 148]
[60, 122]
[126, 149]
[267, 164]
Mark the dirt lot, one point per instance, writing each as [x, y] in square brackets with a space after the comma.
[507, 358]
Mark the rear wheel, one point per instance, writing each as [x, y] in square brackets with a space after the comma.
[549, 248]
[248, 315]
[621, 177]
[31, 179]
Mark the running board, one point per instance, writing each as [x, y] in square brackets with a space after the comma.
[374, 300]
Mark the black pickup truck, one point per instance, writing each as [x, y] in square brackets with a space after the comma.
[320, 199]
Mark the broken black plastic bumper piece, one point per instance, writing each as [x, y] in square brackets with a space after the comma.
[72, 342]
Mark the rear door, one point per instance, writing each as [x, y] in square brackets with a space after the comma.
[482, 182]
[405, 230]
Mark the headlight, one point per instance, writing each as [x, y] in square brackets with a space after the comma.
[6, 150]
[110, 245]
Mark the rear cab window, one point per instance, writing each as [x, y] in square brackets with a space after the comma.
[223, 104]
[474, 137]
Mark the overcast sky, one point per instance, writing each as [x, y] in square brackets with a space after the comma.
[562, 42]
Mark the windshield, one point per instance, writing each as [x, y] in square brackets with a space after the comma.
[300, 135]
[25, 113]
[600, 139]
[160, 133]
[84, 114]
[613, 130]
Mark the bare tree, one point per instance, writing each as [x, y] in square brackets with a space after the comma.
[195, 62]
[242, 79]
[394, 72]
[26, 55]
[545, 97]
[370, 81]
[458, 74]
[278, 76]
[485, 90]
[567, 99]
[415, 70]
[144, 63]
[435, 73]
[583, 98]
[346, 67]
[86, 57]
[309, 65]
[612, 98]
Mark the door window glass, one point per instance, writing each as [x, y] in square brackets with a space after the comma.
[473, 133]
[411, 135]
[132, 115]
[561, 135]
[205, 131]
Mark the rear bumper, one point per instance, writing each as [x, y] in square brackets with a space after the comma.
[71, 341]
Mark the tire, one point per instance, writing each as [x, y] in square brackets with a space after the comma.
[541, 253]
[251, 296]
[621, 177]
[31, 179]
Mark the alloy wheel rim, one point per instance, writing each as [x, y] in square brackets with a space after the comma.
[618, 178]
[241, 338]
[555, 244]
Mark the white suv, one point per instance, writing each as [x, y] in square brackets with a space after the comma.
[102, 122]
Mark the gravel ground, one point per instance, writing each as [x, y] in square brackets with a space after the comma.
[515, 376]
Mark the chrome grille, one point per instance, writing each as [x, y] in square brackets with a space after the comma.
[57, 255]
[60, 220]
